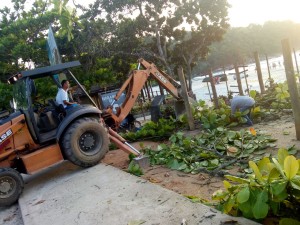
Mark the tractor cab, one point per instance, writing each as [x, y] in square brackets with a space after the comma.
[44, 116]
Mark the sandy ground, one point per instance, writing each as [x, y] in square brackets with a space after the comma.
[200, 185]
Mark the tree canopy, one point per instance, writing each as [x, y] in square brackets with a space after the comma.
[239, 44]
[108, 36]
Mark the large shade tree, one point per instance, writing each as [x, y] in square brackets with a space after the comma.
[175, 32]
[23, 32]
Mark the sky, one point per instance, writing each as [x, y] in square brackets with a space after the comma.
[244, 12]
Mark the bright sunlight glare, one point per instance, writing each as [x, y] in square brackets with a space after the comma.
[245, 12]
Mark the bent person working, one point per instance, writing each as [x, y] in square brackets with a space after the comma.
[243, 103]
[62, 96]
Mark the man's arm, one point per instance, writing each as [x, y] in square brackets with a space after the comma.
[233, 107]
[66, 99]
[69, 103]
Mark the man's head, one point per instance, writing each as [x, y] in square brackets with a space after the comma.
[65, 84]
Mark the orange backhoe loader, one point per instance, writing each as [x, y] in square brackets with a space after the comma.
[36, 136]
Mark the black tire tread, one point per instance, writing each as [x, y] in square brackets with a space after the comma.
[66, 143]
[20, 186]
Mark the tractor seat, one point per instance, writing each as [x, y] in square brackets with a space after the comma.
[59, 109]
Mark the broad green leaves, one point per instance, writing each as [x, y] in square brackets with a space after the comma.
[289, 221]
[291, 167]
[191, 154]
[272, 187]
[135, 169]
[261, 208]
[256, 171]
[243, 195]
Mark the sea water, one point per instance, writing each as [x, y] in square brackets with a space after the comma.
[277, 73]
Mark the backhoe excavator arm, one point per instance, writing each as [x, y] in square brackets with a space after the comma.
[134, 84]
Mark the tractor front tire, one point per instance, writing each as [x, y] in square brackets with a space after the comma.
[85, 142]
[11, 186]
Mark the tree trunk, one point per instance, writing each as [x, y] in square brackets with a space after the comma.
[161, 52]
[189, 76]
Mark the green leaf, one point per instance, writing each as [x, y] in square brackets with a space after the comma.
[238, 143]
[173, 164]
[275, 206]
[274, 174]
[220, 147]
[252, 93]
[280, 197]
[182, 166]
[135, 169]
[228, 205]
[231, 134]
[220, 129]
[219, 195]
[204, 163]
[227, 185]
[278, 187]
[243, 195]
[291, 167]
[285, 132]
[265, 166]
[173, 139]
[214, 162]
[289, 221]
[246, 209]
[256, 171]
[237, 179]
[282, 154]
[233, 124]
[278, 167]
[260, 208]
[212, 117]
[295, 182]
[136, 222]
[293, 151]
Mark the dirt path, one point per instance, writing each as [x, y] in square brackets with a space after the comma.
[202, 185]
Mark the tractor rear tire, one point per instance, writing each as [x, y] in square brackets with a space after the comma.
[11, 186]
[85, 142]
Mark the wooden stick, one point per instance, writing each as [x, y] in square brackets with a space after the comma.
[292, 84]
[259, 73]
[238, 79]
[186, 99]
[213, 88]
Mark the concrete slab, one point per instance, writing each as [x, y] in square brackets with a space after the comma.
[66, 194]
[11, 215]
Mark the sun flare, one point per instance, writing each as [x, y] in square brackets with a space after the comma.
[245, 12]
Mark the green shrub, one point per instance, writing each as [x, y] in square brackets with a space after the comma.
[272, 189]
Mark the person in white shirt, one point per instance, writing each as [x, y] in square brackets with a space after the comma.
[62, 95]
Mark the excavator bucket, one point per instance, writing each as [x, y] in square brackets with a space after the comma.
[180, 106]
[140, 159]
